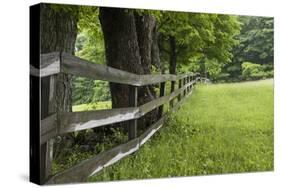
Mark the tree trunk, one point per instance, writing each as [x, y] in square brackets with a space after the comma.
[155, 53]
[173, 55]
[128, 46]
[145, 25]
[121, 48]
[58, 30]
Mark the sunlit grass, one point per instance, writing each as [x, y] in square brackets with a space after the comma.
[222, 128]
[92, 106]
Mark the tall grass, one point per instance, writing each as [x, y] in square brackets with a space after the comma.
[221, 128]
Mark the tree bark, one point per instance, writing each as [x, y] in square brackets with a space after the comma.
[155, 53]
[121, 48]
[128, 46]
[145, 25]
[173, 55]
[58, 30]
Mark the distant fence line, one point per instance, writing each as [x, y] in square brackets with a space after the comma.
[59, 123]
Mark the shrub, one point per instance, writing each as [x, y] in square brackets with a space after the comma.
[252, 71]
[269, 74]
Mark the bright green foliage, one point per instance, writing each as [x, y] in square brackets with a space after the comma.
[89, 42]
[90, 91]
[255, 45]
[201, 38]
[90, 46]
[213, 67]
[222, 128]
[250, 69]
[256, 40]
[255, 71]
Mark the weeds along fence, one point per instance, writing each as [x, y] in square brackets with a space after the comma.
[59, 122]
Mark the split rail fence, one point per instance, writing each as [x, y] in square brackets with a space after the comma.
[60, 122]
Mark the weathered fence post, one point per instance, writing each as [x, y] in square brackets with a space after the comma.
[179, 96]
[161, 94]
[192, 79]
[184, 82]
[48, 106]
[133, 102]
[199, 77]
[189, 80]
[172, 90]
[196, 76]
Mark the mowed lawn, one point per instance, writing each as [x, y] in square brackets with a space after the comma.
[221, 128]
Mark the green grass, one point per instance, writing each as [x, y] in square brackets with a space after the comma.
[221, 128]
[92, 106]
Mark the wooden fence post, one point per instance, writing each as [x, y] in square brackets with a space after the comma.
[133, 102]
[189, 87]
[172, 90]
[48, 106]
[161, 94]
[179, 96]
[192, 81]
[184, 82]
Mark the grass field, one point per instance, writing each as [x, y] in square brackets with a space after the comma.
[92, 106]
[221, 128]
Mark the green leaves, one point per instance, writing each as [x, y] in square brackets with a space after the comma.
[255, 45]
[90, 43]
[199, 38]
[89, 91]
[256, 40]
[252, 71]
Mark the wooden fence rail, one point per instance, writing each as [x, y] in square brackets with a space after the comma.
[54, 63]
[60, 122]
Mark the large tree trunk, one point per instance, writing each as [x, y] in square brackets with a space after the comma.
[58, 33]
[155, 51]
[173, 55]
[121, 48]
[58, 30]
[128, 46]
[145, 25]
